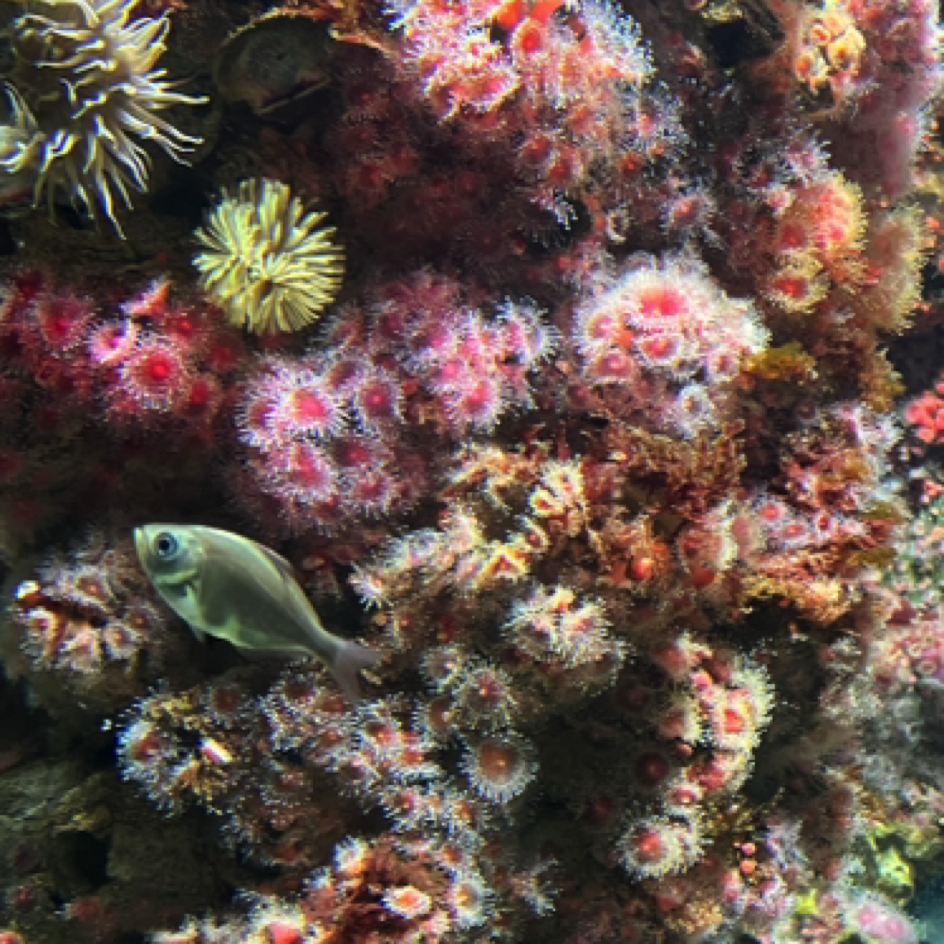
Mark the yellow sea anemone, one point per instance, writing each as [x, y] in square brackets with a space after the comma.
[265, 262]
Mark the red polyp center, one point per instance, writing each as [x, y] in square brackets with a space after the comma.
[661, 301]
[734, 722]
[435, 339]
[601, 325]
[361, 95]
[226, 699]
[372, 489]
[382, 732]
[769, 511]
[489, 692]
[412, 757]
[377, 401]
[158, 369]
[529, 38]
[830, 236]
[410, 901]
[145, 747]
[712, 775]
[296, 690]
[92, 586]
[222, 357]
[200, 393]
[794, 531]
[642, 568]
[702, 576]
[477, 398]
[278, 932]
[792, 286]
[370, 175]
[466, 895]
[497, 761]
[615, 364]
[184, 327]
[60, 319]
[648, 845]
[651, 769]
[693, 543]
[28, 285]
[57, 328]
[450, 372]
[792, 236]
[350, 453]
[536, 150]
[390, 325]
[441, 666]
[405, 801]
[439, 715]
[310, 407]
[659, 348]
[310, 469]
[672, 659]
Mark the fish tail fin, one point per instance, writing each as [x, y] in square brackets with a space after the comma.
[348, 661]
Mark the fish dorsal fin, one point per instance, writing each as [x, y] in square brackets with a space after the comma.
[288, 573]
[278, 561]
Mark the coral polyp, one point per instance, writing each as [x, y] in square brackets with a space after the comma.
[266, 260]
[499, 768]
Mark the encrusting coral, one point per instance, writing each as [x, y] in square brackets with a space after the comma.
[590, 433]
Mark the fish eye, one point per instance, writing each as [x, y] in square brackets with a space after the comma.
[165, 544]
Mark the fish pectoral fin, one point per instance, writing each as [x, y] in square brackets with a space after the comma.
[183, 598]
[181, 591]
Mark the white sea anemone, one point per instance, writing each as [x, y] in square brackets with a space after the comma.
[85, 92]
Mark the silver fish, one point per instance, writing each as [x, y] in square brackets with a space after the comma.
[228, 586]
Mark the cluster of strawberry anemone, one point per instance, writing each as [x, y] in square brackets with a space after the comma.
[565, 93]
[387, 888]
[146, 361]
[343, 434]
[89, 628]
[662, 344]
[90, 379]
[311, 759]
